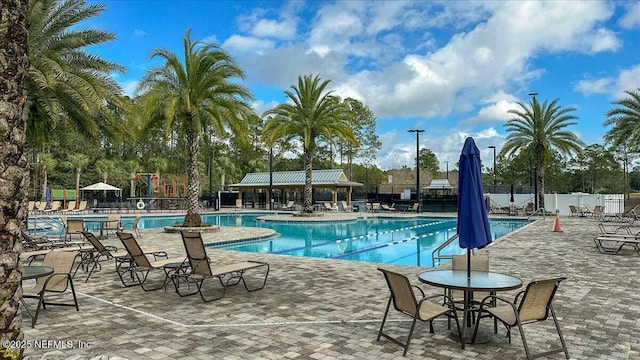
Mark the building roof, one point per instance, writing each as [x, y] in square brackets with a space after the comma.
[335, 177]
[439, 184]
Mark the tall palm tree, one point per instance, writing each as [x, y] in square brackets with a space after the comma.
[66, 83]
[78, 162]
[193, 96]
[48, 163]
[313, 115]
[15, 169]
[539, 129]
[625, 120]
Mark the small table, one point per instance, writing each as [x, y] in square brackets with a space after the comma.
[31, 272]
[479, 281]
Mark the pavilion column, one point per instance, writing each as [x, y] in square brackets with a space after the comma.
[335, 195]
[349, 191]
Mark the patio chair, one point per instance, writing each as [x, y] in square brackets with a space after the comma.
[73, 227]
[31, 206]
[113, 224]
[58, 282]
[404, 300]
[415, 208]
[134, 227]
[588, 210]
[376, 207]
[532, 305]
[345, 207]
[529, 209]
[143, 266]
[478, 263]
[616, 242]
[329, 207]
[227, 274]
[289, 206]
[31, 243]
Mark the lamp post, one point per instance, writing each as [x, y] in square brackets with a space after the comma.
[210, 171]
[271, 178]
[417, 131]
[447, 163]
[535, 169]
[494, 166]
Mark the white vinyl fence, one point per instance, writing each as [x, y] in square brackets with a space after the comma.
[613, 203]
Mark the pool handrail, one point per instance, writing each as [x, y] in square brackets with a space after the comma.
[440, 248]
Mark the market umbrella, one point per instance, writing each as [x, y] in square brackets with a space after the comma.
[473, 223]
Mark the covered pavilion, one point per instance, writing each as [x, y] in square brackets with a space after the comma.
[333, 180]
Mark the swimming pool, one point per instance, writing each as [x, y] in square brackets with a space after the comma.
[382, 240]
[401, 241]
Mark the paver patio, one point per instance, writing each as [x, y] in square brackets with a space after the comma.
[331, 309]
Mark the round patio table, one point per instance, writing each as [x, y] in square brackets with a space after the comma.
[478, 281]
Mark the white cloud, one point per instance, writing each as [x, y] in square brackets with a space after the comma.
[247, 43]
[631, 19]
[627, 80]
[597, 86]
[272, 28]
[260, 106]
[138, 32]
[129, 87]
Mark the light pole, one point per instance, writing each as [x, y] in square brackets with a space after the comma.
[494, 166]
[535, 169]
[271, 178]
[447, 163]
[417, 131]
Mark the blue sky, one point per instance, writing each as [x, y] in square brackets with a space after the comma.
[452, 68]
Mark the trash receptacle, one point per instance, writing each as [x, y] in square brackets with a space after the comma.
[356, 208]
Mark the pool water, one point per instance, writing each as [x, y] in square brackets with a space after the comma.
[401, 241]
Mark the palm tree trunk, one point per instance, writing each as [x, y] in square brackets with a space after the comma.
[44, 183]
[15, 165]
[193, 180]
[540, 181]
[308, 187]
[78, 172]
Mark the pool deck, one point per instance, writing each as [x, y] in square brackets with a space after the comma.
[331, 309]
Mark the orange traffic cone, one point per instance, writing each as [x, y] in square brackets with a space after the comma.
[556, 226]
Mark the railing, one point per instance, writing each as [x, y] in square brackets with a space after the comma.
[435, 255]
[544, 213]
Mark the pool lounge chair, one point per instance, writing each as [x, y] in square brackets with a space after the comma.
[71, 205]
[404, 300]
[386, 207]
[82, 207]
[143, 266]
[614, 243]
[289, 206]
[532, 305]
[55, 206]
[345, 207]
[227, 274]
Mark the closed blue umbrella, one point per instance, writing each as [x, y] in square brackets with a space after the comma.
[47, 194]
[473, 223]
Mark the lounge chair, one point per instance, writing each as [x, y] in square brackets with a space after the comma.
[289, 206]
[588, 210]
[143, 266]
[82, 207]
[328, 207]
[202, 269]
[59, 282]
[404, 300]
[376, 207]
[55, 206]
[345, 207]
[31, 206]
[386, 207]
[122, 259]
[614, 243]
[534, 304]
[41, 207]
[71, 205]
[415, 208]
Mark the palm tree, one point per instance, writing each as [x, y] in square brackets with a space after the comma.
[539, 129]
[625, 120]
[64, 82]
[48, 163]
[78, 162]
[312, 115]
[194, 96]
[15, 168]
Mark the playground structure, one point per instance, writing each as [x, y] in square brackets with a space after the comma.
[156, 190]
